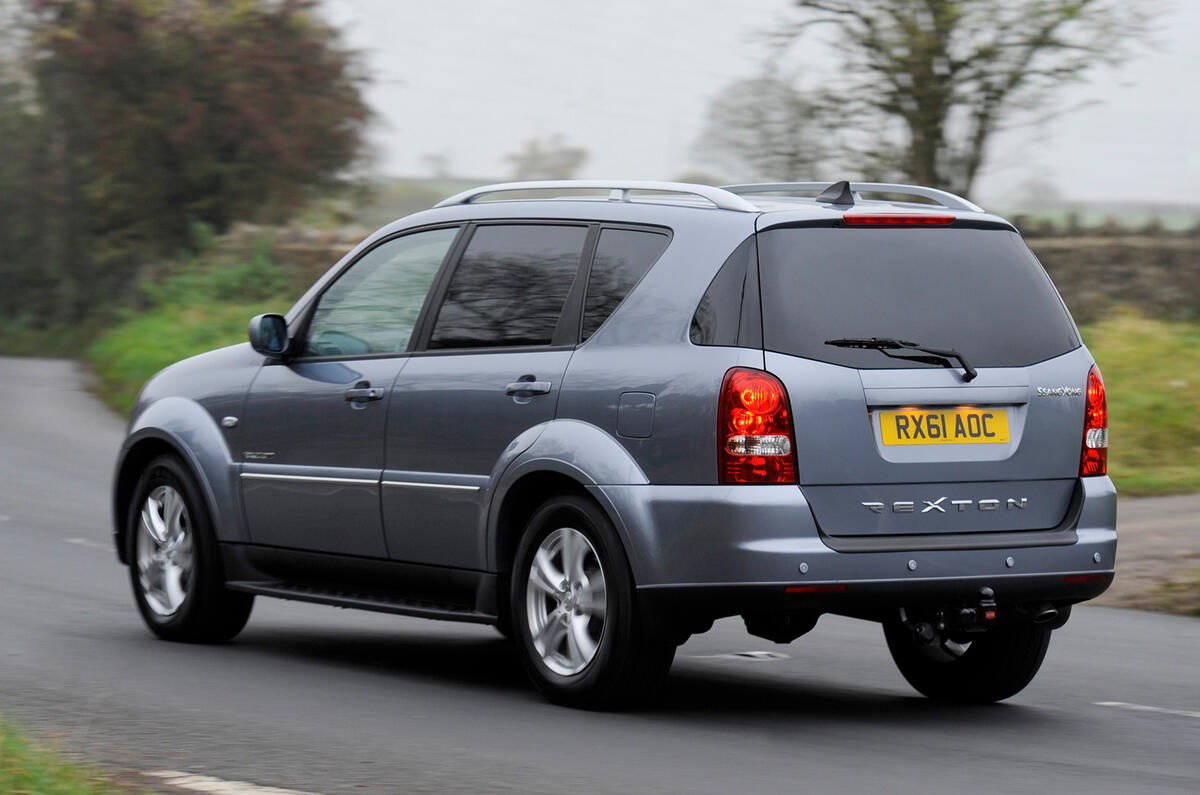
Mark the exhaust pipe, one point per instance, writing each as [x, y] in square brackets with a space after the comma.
[1044, 614]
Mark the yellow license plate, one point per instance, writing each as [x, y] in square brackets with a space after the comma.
[944, 426]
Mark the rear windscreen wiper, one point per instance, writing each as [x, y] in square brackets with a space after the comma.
[940, 356]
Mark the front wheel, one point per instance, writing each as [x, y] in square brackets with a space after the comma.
[574, 614]
[174, 563]
[990, 667]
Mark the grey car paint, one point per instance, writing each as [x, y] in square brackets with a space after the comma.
[450, 419]
[679, 527]
[313, 458]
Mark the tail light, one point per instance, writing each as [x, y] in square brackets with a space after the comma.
[755, 429]
[1094, 459]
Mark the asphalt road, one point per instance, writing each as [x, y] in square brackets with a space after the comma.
[323, 700]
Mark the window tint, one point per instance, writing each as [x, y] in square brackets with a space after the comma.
[510, 286]
[979, 291]
[373, 306]
[622, 258]
[719, 317]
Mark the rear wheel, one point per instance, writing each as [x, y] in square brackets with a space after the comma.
[574, 613]
[990, 667]
[174, 564]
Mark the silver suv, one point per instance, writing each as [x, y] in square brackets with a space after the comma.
[599, 421]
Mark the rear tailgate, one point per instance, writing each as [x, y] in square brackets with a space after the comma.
[890, 446]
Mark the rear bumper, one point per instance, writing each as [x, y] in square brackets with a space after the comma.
[731, 548]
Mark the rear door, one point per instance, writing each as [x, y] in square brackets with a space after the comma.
[891, 445]
[492, 363]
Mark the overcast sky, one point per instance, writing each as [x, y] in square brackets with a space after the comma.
[630, 81]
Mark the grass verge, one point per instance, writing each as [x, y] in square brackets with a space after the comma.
[27, 768]
[1152, 381]
[1180, 594]
[201, 303]
[142, 344]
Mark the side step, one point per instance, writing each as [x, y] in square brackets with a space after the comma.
[380, 604]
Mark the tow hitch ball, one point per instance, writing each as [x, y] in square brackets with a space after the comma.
[963, 619]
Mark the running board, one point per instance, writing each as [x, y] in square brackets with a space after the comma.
[380, 604]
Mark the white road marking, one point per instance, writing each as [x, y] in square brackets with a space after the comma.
[1144, 708]
[5, 517]
[756, 656]
[219, 786]
[87, 542]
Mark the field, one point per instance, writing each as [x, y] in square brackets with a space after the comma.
[1152, 380]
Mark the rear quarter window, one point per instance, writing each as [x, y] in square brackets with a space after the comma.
[979, 291]
[622, 258]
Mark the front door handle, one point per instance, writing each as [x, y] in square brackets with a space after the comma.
[527, 388]
[364, 391]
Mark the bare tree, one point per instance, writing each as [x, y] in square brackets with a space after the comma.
[761, 128]
[928, 83]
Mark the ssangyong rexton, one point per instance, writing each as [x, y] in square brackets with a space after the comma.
[600, 422]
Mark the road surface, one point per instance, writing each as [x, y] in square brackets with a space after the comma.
[323, 700]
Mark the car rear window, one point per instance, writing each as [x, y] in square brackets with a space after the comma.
[979, 291]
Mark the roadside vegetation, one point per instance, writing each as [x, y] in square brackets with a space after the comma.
[200, 302]
[1152, 380]
[28, 769]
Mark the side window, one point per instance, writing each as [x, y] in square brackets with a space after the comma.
[373, 307]
[720, 319]
[510, 286]
[622, 258]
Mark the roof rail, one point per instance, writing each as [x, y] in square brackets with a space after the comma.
[941, 197]
[722, 199]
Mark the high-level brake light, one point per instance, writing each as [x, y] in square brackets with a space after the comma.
[755, 429]
[896, 219]
[1094, 458]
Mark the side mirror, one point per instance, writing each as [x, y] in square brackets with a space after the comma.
[269, 335]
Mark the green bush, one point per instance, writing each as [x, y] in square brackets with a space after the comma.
[203, 302]
[134, 350]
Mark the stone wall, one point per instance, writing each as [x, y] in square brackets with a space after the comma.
[1157, 274]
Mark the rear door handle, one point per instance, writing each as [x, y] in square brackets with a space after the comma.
[364, 392]
[526, 388]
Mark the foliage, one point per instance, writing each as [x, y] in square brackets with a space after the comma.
[924, 85]
[549, 158]
[141, 345]
[25, 768]
[1152, 382]
[203, 302]
[141, 117]
[763, 127]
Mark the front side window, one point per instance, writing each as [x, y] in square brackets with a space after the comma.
[373, 307]
[510, 286]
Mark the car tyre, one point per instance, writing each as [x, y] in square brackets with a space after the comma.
[573, 603]
[174, 563]
[993, 666]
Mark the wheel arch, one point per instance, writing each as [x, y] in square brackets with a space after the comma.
[565, 457]
[179, 427]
